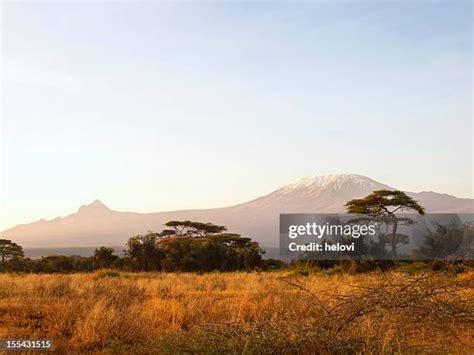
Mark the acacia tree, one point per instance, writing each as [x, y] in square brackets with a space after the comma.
[10, 250]
[455, 241]
[192, 229]
[104, 257]
[223, 251]
[144, 253]
[383, 204]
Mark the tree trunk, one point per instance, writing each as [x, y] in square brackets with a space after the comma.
[393, 238]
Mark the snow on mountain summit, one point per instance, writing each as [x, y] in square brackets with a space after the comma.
[318, 194]
[336, 181]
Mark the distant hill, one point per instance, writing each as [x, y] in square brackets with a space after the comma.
[95, 224]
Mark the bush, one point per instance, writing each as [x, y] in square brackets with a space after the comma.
[273, 264]
[335, 270]
[106, 273]
[305, 269]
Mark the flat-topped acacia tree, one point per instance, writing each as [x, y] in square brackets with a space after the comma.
[192, 229]
[383, 204]
[10, 250]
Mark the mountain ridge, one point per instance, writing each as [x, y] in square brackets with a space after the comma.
[96, 224]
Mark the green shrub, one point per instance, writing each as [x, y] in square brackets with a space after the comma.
[335, 270]
[106, 273]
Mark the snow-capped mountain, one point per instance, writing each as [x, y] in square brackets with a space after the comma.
[314, 183]
[326, 193]
[95, 224]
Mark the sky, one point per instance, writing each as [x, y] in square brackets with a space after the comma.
[159, 106]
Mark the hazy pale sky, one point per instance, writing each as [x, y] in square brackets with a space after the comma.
[158, 106]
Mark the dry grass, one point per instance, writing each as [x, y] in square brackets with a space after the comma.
[241, 312]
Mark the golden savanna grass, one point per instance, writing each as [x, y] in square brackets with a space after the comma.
[241, 312]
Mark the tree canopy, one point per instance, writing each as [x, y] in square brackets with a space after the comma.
[383, 202]
[382, 205]
[10, 250]
[104, 257]
[192, 229]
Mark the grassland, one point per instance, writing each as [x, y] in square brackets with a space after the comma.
[276, 312]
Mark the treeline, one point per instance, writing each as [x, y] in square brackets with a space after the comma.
[185, 246]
